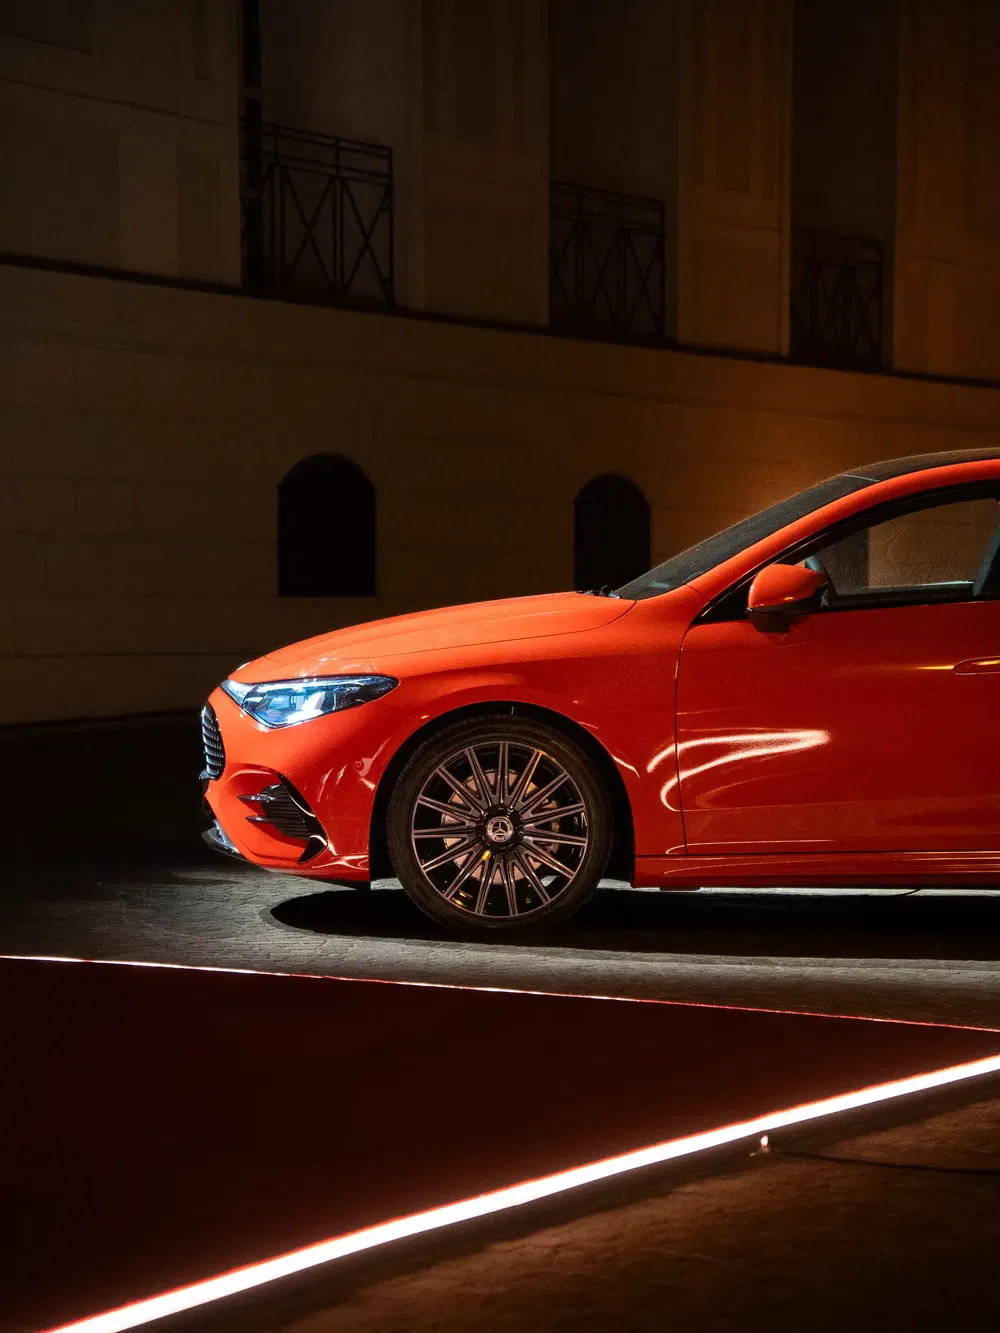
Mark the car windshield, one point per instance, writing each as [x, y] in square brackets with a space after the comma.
[698, 560]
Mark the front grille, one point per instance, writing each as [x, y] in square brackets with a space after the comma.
[211, 739]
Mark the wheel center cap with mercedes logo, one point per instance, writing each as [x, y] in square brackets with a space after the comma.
[500, 828]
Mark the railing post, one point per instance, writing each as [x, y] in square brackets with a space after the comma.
[621, 295]
[390, 201]
[279, 186]
[579, 255]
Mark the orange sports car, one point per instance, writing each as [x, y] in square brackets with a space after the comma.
[804, 698]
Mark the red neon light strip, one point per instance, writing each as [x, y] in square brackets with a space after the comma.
[491, 990]
[297, 1261]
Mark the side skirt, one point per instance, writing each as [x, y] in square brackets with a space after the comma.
[834, 869]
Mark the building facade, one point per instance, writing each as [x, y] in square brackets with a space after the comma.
[317, 311]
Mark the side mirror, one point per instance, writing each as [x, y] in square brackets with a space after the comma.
[780, 592]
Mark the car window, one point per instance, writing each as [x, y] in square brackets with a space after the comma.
[939, 550]
[698, 560]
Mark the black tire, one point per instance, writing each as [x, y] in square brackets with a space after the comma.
[508, 886]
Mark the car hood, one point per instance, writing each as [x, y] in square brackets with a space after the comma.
[361, 647]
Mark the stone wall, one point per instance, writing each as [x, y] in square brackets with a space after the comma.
[145, 429]
[118, 127]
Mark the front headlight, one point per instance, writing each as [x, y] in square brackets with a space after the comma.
[283, 703]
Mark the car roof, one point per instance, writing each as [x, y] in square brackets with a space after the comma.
[898, 467]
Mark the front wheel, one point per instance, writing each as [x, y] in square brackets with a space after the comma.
[499, 825]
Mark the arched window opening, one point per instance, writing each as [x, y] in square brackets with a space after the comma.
[326, 530]
[611, 533]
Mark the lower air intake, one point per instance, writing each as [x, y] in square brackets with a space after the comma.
[280, 809]
[284, 809]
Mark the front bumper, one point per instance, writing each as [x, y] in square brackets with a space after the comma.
[287, 799]
[282, 810]
[215, 838]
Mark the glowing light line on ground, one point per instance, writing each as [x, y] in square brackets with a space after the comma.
[514, 1196]
[492, 990]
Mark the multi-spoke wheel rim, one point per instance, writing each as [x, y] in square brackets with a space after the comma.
[499, 829]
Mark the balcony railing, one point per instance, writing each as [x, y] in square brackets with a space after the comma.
[605, 263]
[317, 216]
[836, 316]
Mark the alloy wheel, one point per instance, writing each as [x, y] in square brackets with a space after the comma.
[499, 829]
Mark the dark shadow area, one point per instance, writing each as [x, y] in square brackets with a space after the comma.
[381, 913]
[128, 874]
[737, 924]
[106, 787]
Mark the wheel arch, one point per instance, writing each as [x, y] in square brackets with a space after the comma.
[621, 862]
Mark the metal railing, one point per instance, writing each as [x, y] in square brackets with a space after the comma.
[605, 262]
[837, 303]
[317, 215]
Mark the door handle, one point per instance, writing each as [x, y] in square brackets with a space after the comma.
[977, 666]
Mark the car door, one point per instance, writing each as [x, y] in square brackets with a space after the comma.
[868, 725]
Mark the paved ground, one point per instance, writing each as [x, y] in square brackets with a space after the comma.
[780, 1244]
[931, 957]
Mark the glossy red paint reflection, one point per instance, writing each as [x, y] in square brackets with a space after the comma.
[783, 587]
[836, 736]
[845, 747]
